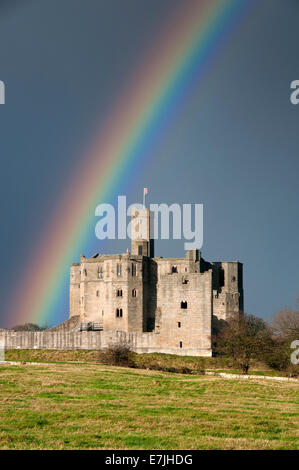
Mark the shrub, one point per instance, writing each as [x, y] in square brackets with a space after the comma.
[119, 354]
[184, 370]
[279, 357]
[29, 327]
[200, 367]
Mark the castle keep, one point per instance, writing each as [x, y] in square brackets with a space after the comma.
[157, 304]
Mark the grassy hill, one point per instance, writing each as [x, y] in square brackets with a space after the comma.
[82, 406]
[148, 361]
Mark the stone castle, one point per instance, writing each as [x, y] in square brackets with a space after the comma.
[157, 304]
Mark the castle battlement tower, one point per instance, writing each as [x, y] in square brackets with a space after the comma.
[141, 230]
[158, 304]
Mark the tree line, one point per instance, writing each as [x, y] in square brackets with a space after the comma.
[247, 338]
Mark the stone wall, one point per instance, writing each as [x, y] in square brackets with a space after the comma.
[228, 291]
[185, 307]
[92, 340]
[71, 324]
[160, 285]
[142, 294]
[100, 285]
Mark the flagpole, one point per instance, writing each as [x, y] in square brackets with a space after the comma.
[145, 191]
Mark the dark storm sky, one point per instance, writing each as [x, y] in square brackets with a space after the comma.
[233, 144]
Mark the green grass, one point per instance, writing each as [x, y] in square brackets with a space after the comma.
[82, 406]
[219, 364]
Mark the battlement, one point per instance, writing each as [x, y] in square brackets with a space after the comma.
[172, 300]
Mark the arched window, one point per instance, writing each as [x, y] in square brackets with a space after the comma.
[174, 269]
[119, 312]
[184, 304]
[119, 293]
[119, 270]
[100, 272]
[134, 293]
[133, 269]
[98, 293]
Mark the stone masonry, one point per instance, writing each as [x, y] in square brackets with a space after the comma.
[161, 304]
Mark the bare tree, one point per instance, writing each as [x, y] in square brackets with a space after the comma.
[285, 328]
[286, 324]
[243, 338]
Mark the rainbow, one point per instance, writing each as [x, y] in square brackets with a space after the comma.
[177, 58]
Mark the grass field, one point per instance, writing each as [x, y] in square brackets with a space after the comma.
[81, 406]
[163, 361]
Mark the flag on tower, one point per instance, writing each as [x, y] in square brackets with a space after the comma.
[145, 190]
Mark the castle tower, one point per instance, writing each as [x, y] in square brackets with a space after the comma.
[141, 229]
